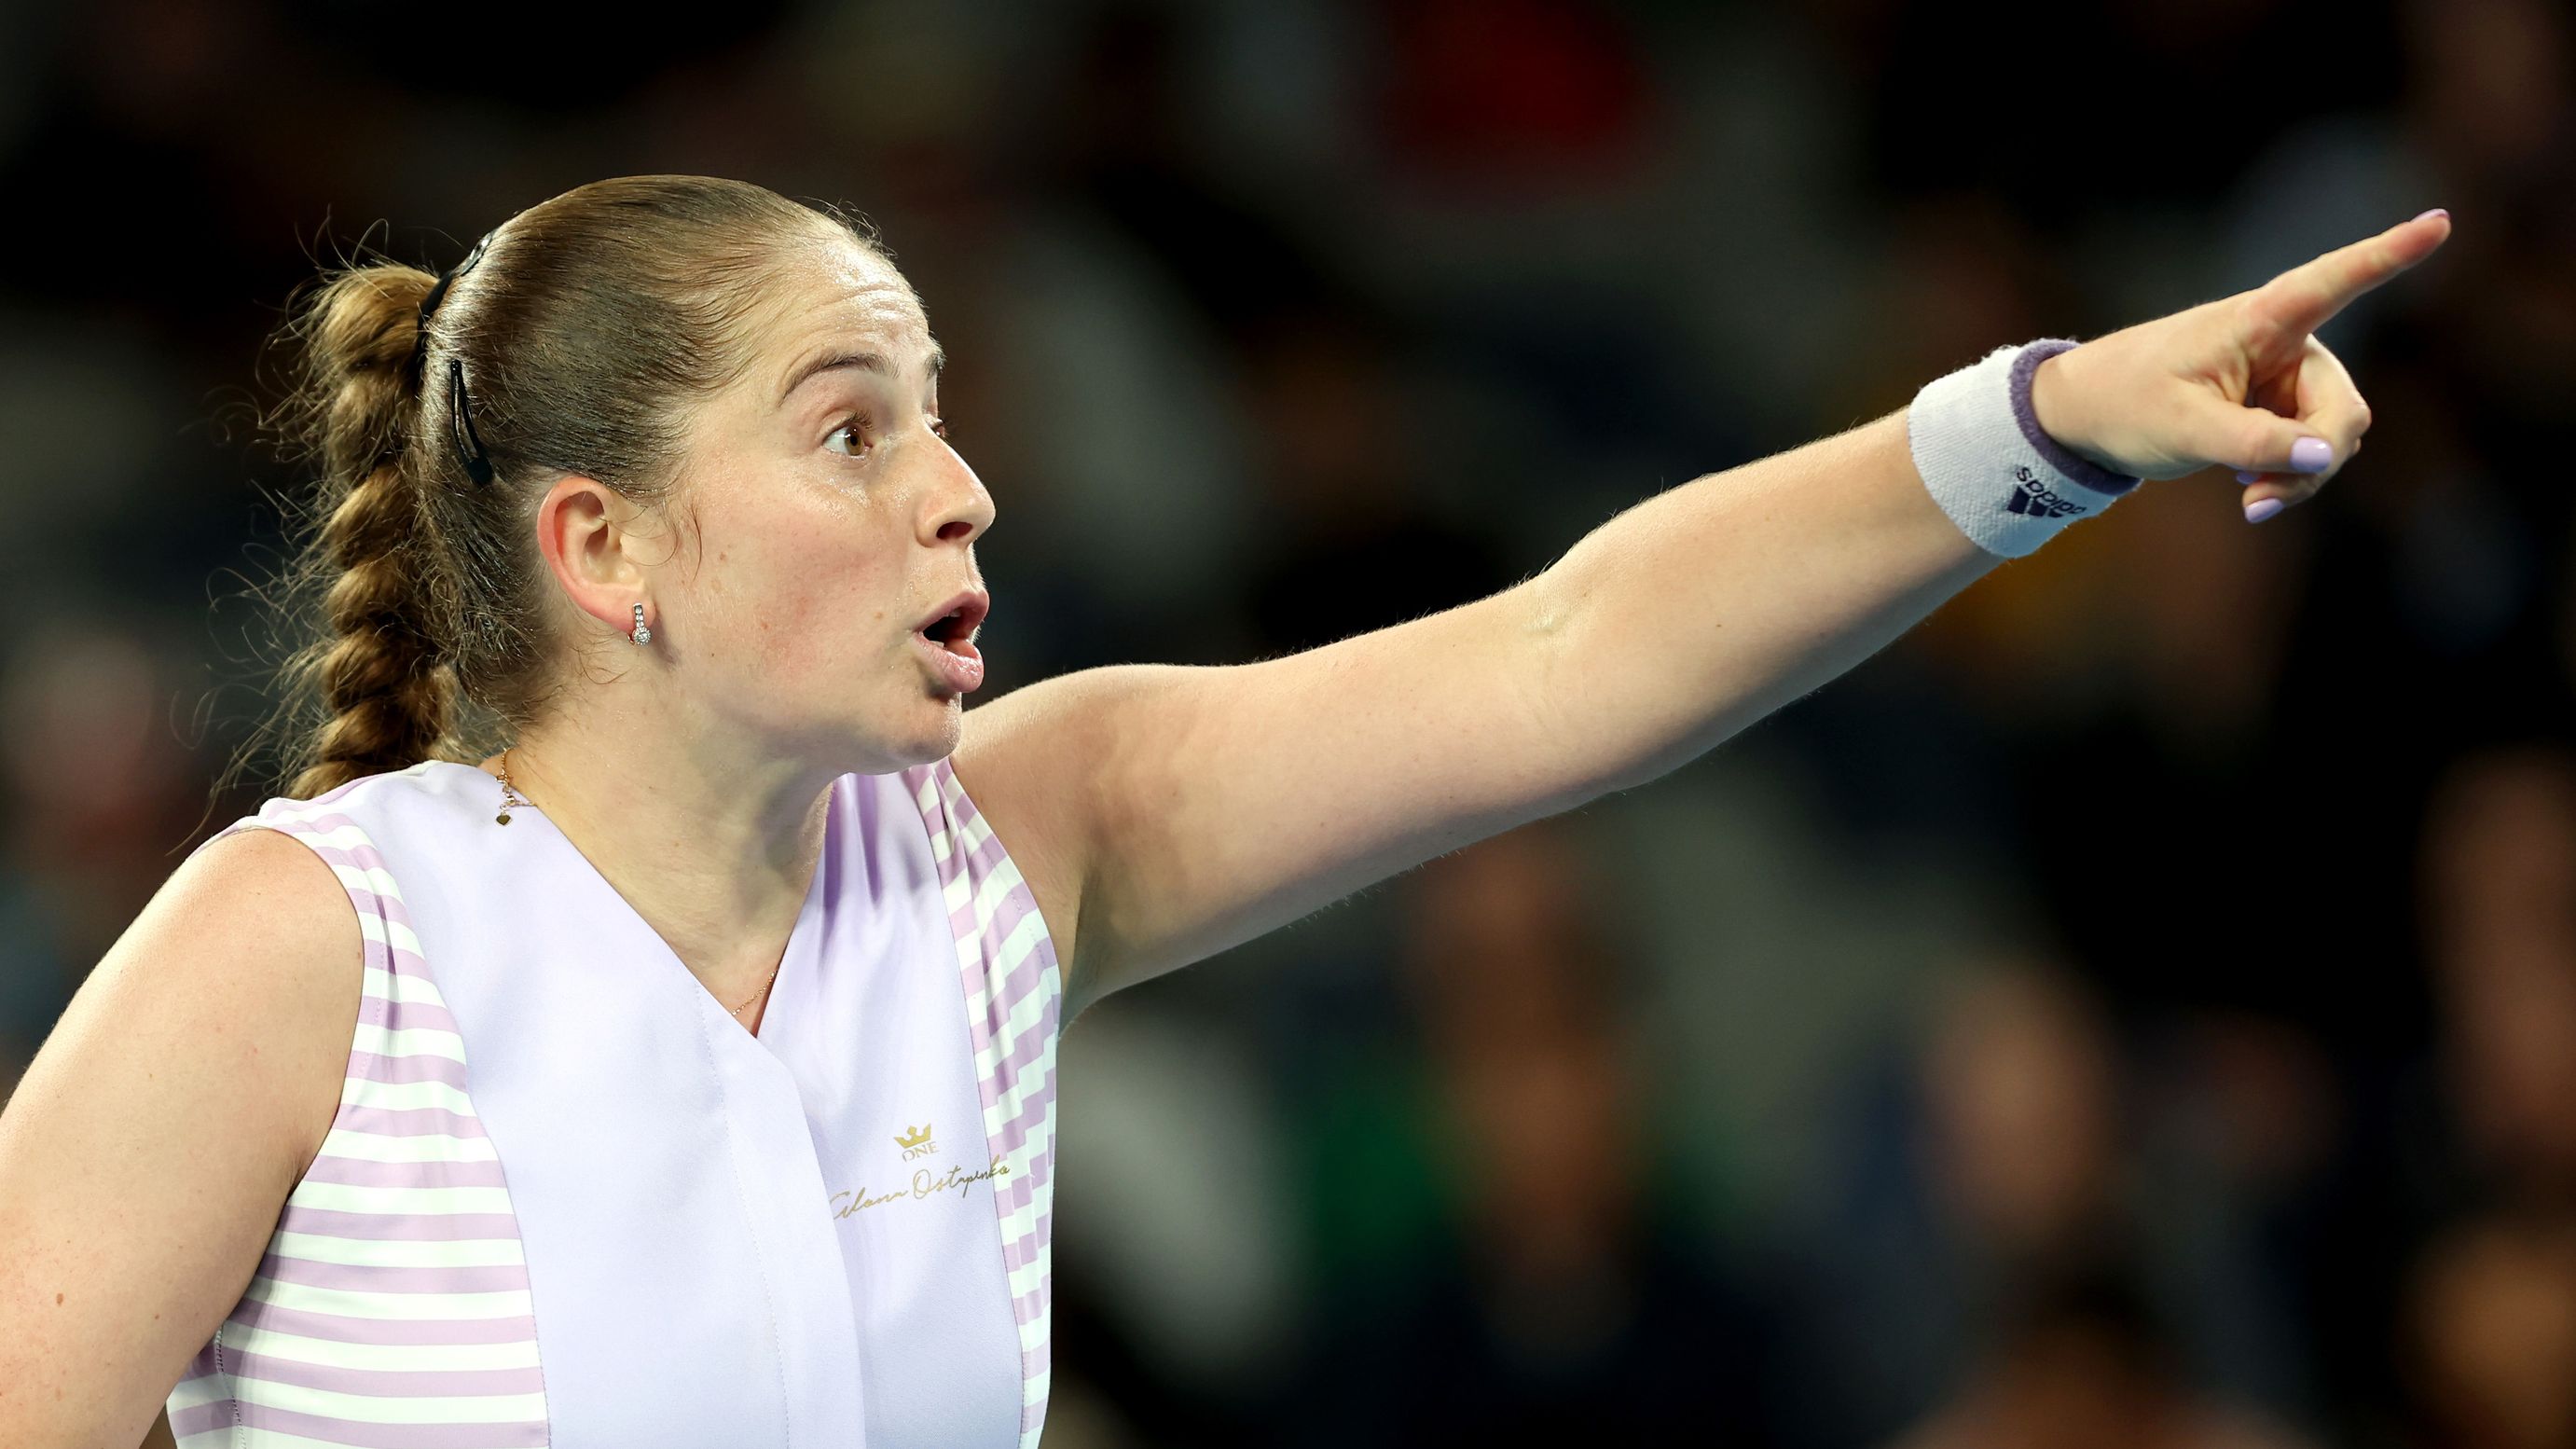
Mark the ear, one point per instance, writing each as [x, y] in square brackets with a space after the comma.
[586, 530]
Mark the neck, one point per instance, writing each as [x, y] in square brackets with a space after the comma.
[715, 849]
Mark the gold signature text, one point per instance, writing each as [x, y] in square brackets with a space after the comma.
[924, 1185]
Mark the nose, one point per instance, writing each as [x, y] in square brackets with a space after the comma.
[959, 508]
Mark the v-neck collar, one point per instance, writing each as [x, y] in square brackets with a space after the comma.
[802, 938]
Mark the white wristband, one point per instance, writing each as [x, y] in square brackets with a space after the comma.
[2008, 485]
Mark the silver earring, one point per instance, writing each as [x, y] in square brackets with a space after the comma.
[642, 635]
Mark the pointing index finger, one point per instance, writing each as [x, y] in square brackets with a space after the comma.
[2304, 298]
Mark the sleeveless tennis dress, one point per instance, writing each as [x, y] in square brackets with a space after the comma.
[569, 1201]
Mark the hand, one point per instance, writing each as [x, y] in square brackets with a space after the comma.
[2239, 383]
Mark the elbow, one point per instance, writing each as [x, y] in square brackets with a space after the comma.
[1571, 721]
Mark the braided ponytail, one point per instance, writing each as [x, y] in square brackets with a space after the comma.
[387, 691]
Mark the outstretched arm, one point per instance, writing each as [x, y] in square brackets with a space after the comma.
[1165, 813]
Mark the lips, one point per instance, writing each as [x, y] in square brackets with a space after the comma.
[956, 620]
[948, 641]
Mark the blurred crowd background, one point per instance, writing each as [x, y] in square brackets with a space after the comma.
[2135, 1010]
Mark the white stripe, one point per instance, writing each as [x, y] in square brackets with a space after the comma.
[203, 1389]
[407, 1307]
[410, 1041]
[371, 1409]
[403, 1096]
[423, 1147]
[346, 837]
[399, 1253]
[375, 880]
[350, 1198]
[223, 1437]
[396, 1356]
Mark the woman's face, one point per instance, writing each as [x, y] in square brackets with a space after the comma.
[831, 519]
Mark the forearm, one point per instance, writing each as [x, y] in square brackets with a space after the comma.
[1702, 609]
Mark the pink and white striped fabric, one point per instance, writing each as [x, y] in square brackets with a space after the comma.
[1013, 1001]
[569, 1201]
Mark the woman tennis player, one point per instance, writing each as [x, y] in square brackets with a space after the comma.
[683, 1074]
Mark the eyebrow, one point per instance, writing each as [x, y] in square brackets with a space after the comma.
[875, 362]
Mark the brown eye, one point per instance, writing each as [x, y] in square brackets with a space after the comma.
[852, 426]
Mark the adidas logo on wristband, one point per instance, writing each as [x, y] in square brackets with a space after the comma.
[2034, 498]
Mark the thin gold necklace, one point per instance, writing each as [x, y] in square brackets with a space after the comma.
[510, 797]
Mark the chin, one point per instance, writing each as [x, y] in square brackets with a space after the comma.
[938, 742]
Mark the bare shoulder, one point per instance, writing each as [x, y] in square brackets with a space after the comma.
[150, 1146]
[260, 920]
[240, 977]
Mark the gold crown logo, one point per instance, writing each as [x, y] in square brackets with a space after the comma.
[914, 1137]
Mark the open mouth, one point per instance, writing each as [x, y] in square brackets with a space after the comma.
[948, 644]
[954, 630]
[951, 633]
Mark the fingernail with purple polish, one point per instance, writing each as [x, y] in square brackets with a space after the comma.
[2244, 477]
[2311, 455]
[2436, 211]
[2257, 512]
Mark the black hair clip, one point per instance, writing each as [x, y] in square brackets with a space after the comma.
[460, 426]
[460, 407]
[437, 294]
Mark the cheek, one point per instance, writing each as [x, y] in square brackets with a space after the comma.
[803, 603]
